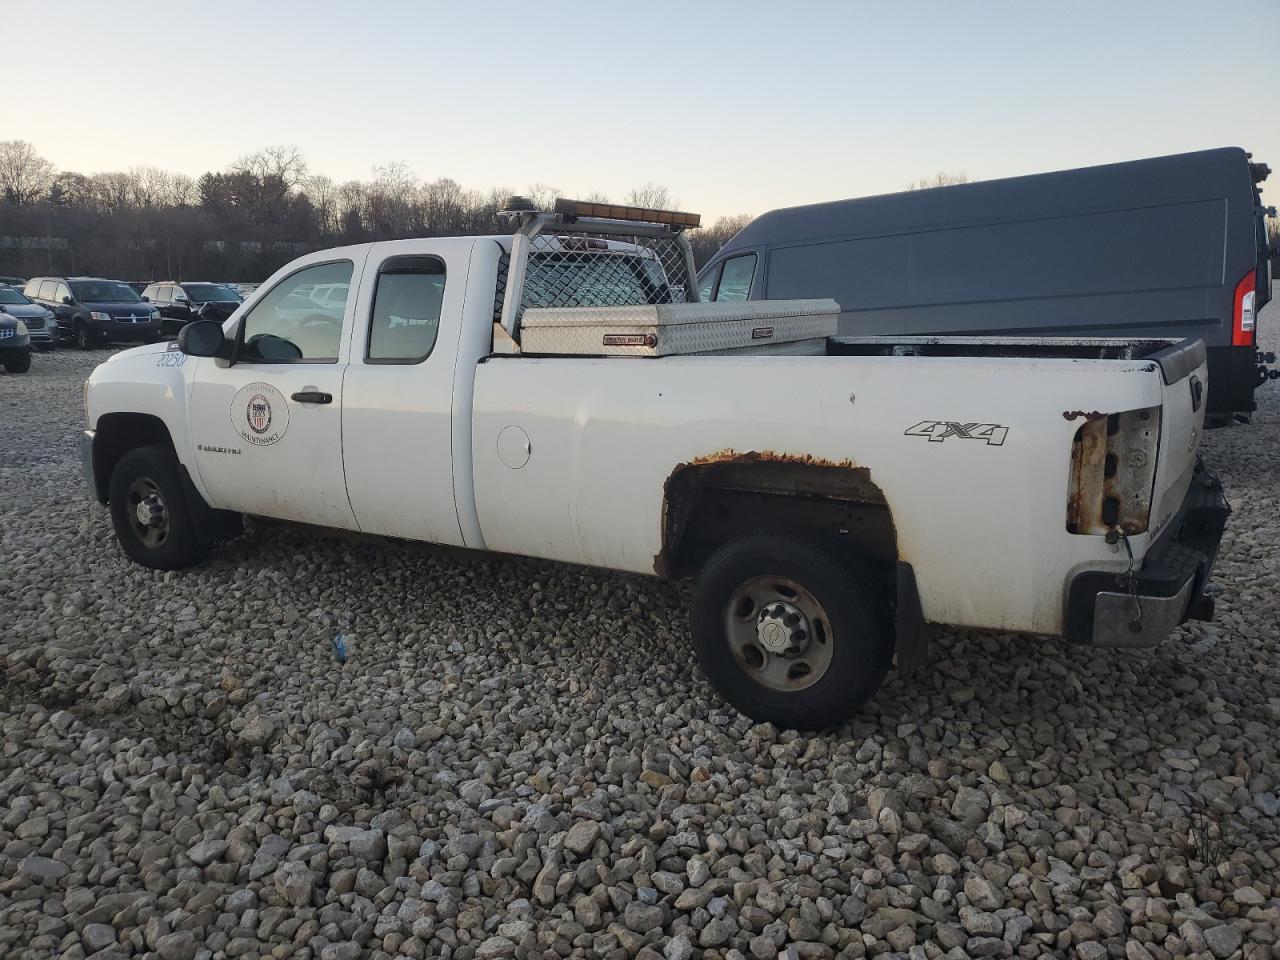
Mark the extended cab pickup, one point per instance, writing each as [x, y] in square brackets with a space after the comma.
[831, 497]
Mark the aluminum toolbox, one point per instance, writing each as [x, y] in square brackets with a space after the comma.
[667, 329]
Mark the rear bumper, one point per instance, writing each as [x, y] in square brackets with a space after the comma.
[1103, 610]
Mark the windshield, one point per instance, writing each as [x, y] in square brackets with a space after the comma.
[204, 292]
[103, 291]
[10, 295]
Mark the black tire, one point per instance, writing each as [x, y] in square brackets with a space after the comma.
[83, 336]
[857, 628]
[18, 362]
[141, 474]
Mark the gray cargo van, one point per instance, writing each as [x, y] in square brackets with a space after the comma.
[1168, 247]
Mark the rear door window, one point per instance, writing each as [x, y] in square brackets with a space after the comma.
[406, 310]
[735, 278]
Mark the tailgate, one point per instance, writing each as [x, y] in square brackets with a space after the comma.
[1185, 375]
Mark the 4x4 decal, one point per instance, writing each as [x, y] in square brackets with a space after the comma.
[939, 430]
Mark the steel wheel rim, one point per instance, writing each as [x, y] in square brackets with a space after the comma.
[779, 634]
[147, 512]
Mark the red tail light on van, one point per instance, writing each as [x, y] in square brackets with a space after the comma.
[1243, 315]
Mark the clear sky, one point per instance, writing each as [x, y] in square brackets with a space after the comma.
[734, 106]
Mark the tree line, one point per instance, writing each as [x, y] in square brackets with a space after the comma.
[244, 222]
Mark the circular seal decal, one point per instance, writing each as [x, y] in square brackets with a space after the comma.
[259, 414]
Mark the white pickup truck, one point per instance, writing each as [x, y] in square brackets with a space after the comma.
[560, 393]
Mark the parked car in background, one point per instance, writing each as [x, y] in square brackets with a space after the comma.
[92, 311]
[14, 281]
[38, 320]
[1165, 247]
[180, 303]
[15, 344]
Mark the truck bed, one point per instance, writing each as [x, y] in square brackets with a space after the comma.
[1175, 357]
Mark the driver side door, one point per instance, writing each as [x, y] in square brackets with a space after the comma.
[267, 426]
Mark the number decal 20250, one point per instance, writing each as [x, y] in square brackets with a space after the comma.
[939, 430]
[171, 358]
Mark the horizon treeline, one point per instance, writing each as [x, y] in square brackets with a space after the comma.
[242, 223]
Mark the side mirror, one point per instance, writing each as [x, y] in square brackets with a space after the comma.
[146, 299]
[66, 300]
[204, 338]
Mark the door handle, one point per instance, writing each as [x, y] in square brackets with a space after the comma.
[312, 396]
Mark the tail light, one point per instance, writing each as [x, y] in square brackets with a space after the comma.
[1244, 314]
[1113, 471]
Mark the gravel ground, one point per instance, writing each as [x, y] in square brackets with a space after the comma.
[520, 759]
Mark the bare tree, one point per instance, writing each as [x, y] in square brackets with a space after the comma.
[652, 195]
[285, 164]
[183, 191]
[25, 176]
[707, 240]
[543, 195]
[939, 179]
[390, 200]
[323, 194]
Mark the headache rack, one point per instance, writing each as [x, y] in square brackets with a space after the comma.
[600, 280]
[589, 254]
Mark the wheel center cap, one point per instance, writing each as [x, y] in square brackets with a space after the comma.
[781, 629]
[144, 513]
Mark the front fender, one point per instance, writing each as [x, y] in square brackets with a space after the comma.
[152, 381]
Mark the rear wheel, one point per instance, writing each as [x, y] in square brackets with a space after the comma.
[18, 362]
[790, 631]
[149, 511]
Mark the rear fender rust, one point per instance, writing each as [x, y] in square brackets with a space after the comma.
[729, 455]
[840, 483]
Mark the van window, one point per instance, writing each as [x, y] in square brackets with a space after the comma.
[735, 278]
[707, 285]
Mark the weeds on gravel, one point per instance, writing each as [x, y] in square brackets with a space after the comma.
[1212, 836]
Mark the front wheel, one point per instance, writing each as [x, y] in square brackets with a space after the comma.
[18, 362]
[149, 511]
[790, 631]
[84, 337]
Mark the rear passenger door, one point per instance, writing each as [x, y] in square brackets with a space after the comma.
[397, 403]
